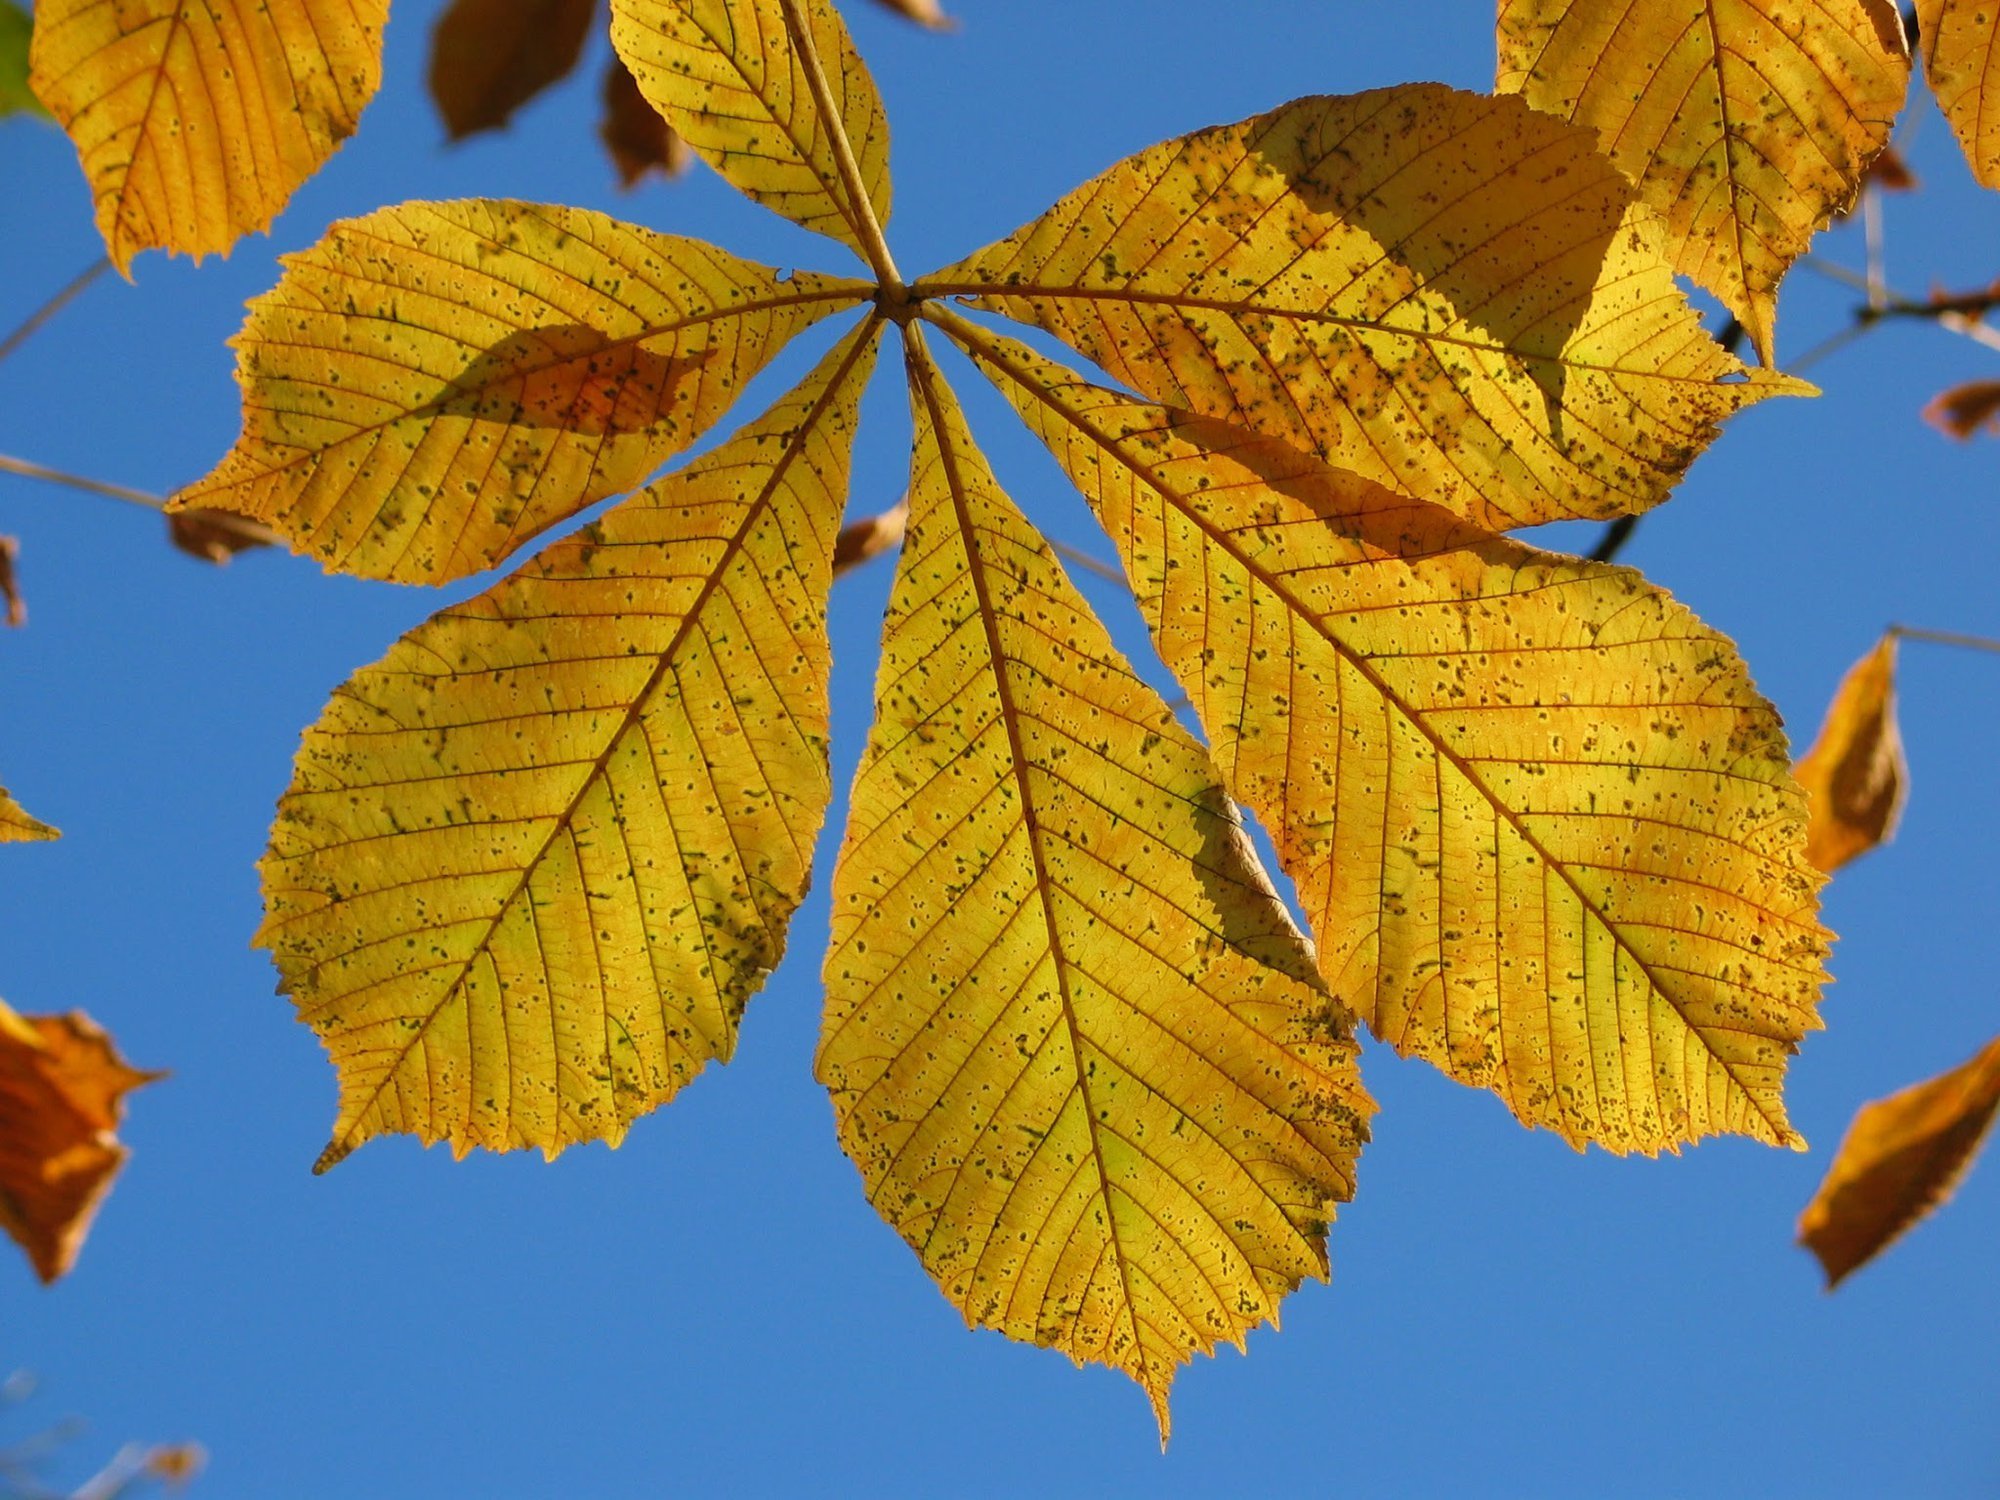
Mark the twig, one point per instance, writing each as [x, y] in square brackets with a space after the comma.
[1946, 638]
[866, 225]
[27, 470]
[53, 306]
[1088, 563]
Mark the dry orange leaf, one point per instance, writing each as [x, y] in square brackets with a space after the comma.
[923, 12]
[490, 57]
[16, 826]
[197, 119]
[1855, 775]
[533, 863]
[1538, 818]
[1745, 123]
[871, 536]
[62, 1087]
[633, 132]
[1448, 293]
[1074, 1043]
[10, 582]
[1901, 1158]
[433, 384]
[1962, 63]
[1965, 410]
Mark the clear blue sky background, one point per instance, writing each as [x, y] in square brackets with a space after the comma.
[713, 1308]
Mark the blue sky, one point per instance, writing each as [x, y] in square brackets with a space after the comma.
[713, 1308]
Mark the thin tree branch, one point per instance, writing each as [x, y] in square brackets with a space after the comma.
[53, 306]
[1087, 562]
[1945, 638]
[866, 225]
[253, 533]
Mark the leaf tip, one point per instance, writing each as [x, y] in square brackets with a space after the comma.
[336, 1152]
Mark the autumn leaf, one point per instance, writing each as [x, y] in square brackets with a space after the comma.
[490, 57]
[433, 384]
[725, 75]
[62, 1089]
[924, 12]
[1074, 1044]
[1745, 123]
[196, 121]
[1962, 65]
[633, 132]
[17, 826]
[1966, 410]
[1854, 775]
[1900, 1159]
[870, 536]
[1537, 816]
[1448, 293]
[15, 612]
[532, 864]
[16, 26]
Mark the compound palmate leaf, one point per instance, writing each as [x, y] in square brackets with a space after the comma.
[1074, 1043]
[532, 864]
[1539, 819]
[1745, 123]
[726, 76]
[1448, 293]
[433, 384]
[196, 119]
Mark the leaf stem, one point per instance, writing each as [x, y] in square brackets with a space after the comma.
[1946, 638]
[866, 225]
[20, 466]
[54, 305]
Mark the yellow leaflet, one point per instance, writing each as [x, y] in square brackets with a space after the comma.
[1745, 123]
[1901, 1158]
[62, 1090]
[433, 384]
[1539, 820]
[533, 863]
[196, 119]
[1855, 776]
[16, 824]
[725, 75]
[1963, 66]
[1446, 292]
[1075, 1045]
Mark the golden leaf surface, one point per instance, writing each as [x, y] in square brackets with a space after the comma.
[1539, 820]
[16, 825]
[1448, 293]
[1745, 123]
[197, 119]
[725, 75]
[1900, 1159]
[1962, 64]
[62, 1087]
[433, 384]
[533, 863]
[1074, 1043]
[490, 57]
[1855, 776]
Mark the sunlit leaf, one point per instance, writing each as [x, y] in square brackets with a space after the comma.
[1446, 292]
[725, 75]
[16, 97]
[1966, 410]
[532, 863]
[1901, 1158]
[490, 57]
[433, 384]
[871, 536]
[62, 1090]
[196, 120]
[1745, 123]
[1539, 820]
[633, 132]
[1074, 1044]
[1962, 64]
[17, 826]
[1855, 776]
